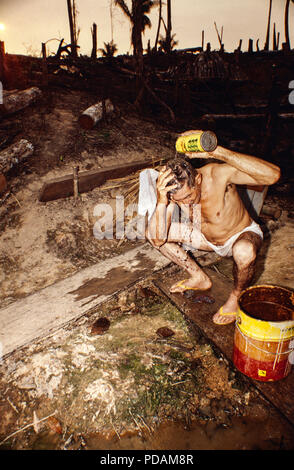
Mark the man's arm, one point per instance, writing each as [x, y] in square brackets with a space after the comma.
[160, 221]
[241, 168]
[246, 169]
[159, 224]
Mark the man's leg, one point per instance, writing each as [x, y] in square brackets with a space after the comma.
[244, 254]
[173, 251]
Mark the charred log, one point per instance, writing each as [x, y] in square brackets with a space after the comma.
[91, 116]
[14, 154]
[16, 101]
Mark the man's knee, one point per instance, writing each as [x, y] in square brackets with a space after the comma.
[244, 252]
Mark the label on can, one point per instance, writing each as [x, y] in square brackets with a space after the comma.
[189, 143]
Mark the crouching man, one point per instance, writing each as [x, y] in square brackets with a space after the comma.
[225, 225]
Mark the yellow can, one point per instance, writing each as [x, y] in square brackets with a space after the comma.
[199, 141]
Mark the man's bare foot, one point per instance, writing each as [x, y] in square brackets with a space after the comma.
[227, 313]
[192, 283]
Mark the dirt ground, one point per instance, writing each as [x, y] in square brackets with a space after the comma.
[58, 236]
[102, 387]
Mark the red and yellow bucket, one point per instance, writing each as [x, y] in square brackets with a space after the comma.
[264, 333]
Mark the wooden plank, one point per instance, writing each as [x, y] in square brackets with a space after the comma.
[64, 186]
[279, 393]
[53, 307]
[244, 116]
[201, 314]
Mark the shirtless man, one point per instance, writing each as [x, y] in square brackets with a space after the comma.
[226, 226]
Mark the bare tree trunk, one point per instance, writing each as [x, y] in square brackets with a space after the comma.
[94, 40]
[44, 65]
[278, 40]
[169, 27]
[159, 24]
[111, 18]
[266, 46]
[137, 42]
[2, 62]
[218, 35]
[72, 29]
[275, 48]
[287, 24]
[250, 46]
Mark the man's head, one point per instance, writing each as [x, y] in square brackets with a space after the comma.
[188, 180]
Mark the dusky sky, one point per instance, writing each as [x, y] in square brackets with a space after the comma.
[28, 23]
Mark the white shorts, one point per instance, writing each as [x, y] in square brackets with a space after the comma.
[226, 249]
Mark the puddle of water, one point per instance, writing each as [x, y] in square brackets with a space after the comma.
[116, 279]
[243, 434]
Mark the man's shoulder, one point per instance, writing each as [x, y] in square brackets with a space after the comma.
[219, 171]
[212, 167]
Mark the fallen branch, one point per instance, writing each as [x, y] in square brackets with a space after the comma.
[172, 115]
[153, 94]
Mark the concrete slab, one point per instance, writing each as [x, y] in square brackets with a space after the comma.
[39, 314]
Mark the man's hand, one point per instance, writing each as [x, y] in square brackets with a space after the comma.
[164, 177]
[197, 154]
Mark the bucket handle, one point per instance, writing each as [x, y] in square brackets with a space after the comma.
[260, 349]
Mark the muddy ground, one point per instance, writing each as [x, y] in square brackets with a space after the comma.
[126, 388]
[130, 386]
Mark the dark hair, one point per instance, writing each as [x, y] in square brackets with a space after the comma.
[183, 171]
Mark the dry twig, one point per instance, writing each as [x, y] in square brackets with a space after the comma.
[26, 427]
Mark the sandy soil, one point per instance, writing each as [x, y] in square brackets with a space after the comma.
[42, 243]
